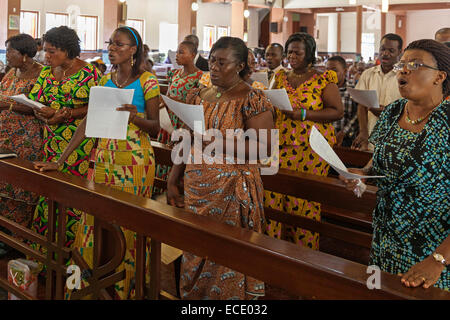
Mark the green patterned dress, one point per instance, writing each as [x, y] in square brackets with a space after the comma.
[71, 92]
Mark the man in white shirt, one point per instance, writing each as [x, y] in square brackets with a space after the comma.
[274, 57]
[382, 79]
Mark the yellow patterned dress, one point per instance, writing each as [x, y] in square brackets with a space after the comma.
[127, 165]
[297, 155]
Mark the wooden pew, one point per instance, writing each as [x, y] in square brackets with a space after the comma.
[300, 271]
[344, 217]
[353, 158]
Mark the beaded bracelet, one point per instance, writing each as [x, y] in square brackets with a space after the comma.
[11, 107]
[303, 114]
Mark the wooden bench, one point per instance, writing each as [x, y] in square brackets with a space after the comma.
[300, 271]
[344, 217]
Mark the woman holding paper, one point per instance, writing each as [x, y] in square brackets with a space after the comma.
[316, 102]
[127, 165]
[63, 87]
[19, 128]
[411, 139]
[229, 193]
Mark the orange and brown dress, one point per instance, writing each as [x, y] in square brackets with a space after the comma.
[231, 194]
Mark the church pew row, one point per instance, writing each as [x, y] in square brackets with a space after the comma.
[299, 271]
[344, 217]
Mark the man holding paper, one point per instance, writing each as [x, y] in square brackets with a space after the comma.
[381, 79]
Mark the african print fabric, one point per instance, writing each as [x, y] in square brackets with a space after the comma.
[230, 194]
[411, 217]
[21, 134]
[71, 92]
[296, 154]
[126, 165]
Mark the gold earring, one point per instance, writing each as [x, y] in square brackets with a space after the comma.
[24, 59]
[132, 62]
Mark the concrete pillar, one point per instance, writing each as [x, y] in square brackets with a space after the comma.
[187, 19]
[358, 28]
[237, 19]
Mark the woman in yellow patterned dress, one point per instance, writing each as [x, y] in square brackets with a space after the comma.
[127, 165]
[316, 102]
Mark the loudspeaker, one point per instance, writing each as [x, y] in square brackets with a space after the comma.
[274, 27]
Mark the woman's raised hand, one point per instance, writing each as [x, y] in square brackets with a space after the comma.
[130, 108]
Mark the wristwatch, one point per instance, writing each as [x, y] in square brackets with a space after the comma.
[440, 258]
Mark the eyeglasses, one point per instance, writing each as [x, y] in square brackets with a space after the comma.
[117, 44]
[411, 66]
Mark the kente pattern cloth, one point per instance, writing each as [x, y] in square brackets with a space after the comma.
[71, 92]
[230, 194]
[179, 87]
[205, 80]
[22, 134]
[126, 165]
[411, 217]
[296, 154]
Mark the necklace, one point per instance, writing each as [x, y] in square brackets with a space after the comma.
[419, 120]
[117, 79]
[219, 94]
[64, 73]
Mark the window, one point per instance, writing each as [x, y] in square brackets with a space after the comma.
[87, 27]
[29, 23]
[367, 46]
[53, 20]
[222, 32]
[137, 24]
[168, 37]
[209, 37]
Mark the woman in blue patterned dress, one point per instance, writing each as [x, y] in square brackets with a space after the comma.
[411, 138]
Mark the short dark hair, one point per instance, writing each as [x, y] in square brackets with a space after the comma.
[240, 51]
[23, 43]
[340, 60]
[442, 31]
[65, 39]
[394, 37]
[192, 47]
[276, 45]
[38, 41]
[440, 53]
[310, 45]
[192, 38]
[136, 40]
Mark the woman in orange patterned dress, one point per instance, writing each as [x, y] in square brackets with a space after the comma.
[228, 193]
[316, 102]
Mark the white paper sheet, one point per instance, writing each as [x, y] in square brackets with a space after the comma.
[261, 77]
[279, 99]
[103, 120]
[164, 120]
[188, 113]
[367, 98]
[320, 146]
[23, 99]
[173, 59]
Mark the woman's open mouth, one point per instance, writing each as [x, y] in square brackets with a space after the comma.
[402, 83]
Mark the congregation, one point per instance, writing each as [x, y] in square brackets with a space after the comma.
[408, 135]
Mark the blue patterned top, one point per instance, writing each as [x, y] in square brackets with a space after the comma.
[411, 217]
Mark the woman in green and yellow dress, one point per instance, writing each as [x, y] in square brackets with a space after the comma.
[63, 86]
[127, 165]
[316, 102]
